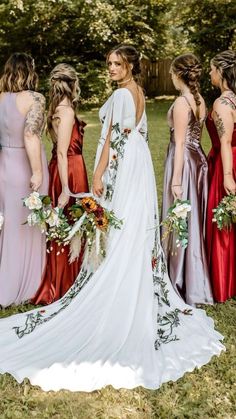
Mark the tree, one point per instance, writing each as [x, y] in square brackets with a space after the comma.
[209, 27]
[81, 32]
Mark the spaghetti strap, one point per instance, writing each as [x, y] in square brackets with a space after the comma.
[187, 101]
[227, 97]
[200, 119]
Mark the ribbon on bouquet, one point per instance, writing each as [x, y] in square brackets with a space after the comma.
[79, 195]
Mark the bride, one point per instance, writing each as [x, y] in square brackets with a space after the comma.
[122, 323]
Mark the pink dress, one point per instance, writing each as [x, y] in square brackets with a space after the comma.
[22, 248]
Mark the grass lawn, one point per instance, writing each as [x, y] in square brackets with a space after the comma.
[206, 393]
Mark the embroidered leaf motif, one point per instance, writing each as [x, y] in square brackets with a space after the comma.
[117, 145]
[33, 320]
[170, 320]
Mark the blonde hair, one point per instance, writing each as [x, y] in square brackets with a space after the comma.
[189, 69]
[226, 62]
[19, 74]
[63, 82]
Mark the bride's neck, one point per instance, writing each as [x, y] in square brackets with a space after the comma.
[125, 83]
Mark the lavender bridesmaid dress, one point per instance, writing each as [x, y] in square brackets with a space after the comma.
[22, 248]
[187, 268]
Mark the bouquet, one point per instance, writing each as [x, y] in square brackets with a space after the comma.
[177, 222]
[225, 212]
[1, 220]
[50, 220]
[92, 224]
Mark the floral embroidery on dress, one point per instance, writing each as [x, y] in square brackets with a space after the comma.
[171, 319]
[117, 145]
[36, 318]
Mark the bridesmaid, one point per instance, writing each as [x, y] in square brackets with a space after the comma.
[67, 170]
[23, 169]
[185, 177]
[221, 125]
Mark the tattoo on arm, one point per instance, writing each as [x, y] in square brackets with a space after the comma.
[35, 118]
[219, 125]
[227, 101]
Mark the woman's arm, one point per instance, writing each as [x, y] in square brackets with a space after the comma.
[97, 186]
[66, 117]
[180, 116]
[34, 124]
[224, 122]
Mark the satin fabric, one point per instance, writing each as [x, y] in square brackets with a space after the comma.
[188, 268]
[221, 245]
[22, 248]
[60, 274]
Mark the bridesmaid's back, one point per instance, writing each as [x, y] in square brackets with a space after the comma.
[12, 122]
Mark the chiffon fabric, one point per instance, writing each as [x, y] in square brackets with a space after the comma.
[22, 248]
[122, 323]
[60, 274]
[188, 268]
[221, 244]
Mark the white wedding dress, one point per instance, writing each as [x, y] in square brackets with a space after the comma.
[122, 323]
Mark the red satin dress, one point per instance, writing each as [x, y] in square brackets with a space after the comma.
[221, 245]
[60, 274]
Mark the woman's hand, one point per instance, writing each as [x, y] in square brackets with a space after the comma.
[177, 191]
[63, 200]
[229, 184]
[36, 181]
[97, 186]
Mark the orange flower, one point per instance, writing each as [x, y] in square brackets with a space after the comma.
[102, 223]
[89, 204]
[154, 262]
[127, 130]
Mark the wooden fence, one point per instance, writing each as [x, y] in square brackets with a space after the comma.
[156, 77]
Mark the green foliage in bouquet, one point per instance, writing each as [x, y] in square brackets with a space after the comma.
[92, 223]
[50, 220]
[177, 222]
[225, 212]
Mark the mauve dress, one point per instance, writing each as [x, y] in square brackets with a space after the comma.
[187, 268]
[22, 248]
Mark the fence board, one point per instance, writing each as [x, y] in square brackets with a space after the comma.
[156, 77]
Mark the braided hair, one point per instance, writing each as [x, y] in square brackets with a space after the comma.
[189, 69]
[63, 82]
[226, 62]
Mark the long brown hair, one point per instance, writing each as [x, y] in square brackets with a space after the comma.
[226, 62]
[63, 82]
[188, 68]
[19, 74]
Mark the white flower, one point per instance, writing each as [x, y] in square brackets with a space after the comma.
[1, 220]
[32, 219]
[181, 210]
[33, 201]
[53, 220]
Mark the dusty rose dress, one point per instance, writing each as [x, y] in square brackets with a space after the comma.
[22, 248]
[188, 267]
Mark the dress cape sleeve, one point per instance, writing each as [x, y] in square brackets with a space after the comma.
[113, 115]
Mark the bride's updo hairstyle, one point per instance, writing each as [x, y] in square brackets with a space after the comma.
[189, 69]
[19, 74]
[129, 55]
[63, 83]
[225, 62]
